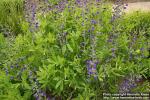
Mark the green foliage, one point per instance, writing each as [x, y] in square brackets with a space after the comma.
[54, 2]
[10, 90]
[55, 52]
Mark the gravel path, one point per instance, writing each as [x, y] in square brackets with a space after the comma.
[143, 6]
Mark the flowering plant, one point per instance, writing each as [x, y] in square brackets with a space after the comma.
[79, 50]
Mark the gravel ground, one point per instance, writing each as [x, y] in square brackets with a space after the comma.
[143, 6]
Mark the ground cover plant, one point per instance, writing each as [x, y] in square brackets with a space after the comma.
[75, 50]
[11, 15]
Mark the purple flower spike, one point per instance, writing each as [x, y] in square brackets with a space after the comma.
[36, 96]
[113, 49]
[6, 71]
[98, 0]
[91, 68]
[43, 93]
[93, 28]
[89, 31]
[36, 25]
[48, 98]
[11, 78]
[141, 49]
[127, 85]
[11, 67]
[93, 22]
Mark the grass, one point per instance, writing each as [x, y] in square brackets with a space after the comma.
[10, 16]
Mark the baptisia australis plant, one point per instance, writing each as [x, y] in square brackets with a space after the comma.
[76, 41]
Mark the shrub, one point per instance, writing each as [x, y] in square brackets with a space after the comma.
[76, 53]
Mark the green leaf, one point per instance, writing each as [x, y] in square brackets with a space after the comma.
[61, 86]
[81, 98]
[58, 84]
[69, 47]
[64, 49]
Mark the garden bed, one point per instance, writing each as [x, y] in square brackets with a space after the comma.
[74, 50]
